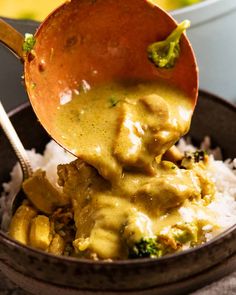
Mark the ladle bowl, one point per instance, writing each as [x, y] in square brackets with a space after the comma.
[95, 42]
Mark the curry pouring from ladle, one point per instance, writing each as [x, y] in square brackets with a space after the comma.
[83, 44]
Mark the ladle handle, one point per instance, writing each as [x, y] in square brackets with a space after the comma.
[12, 39]
[15, 143]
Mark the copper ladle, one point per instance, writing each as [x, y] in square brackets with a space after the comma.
[97, 41]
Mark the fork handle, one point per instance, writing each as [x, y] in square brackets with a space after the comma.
[16, 144]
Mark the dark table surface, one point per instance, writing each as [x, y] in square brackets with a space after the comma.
[225, 286]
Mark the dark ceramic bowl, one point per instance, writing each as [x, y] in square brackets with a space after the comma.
[42, 273]
[12, 91]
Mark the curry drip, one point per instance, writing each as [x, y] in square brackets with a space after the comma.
[128, 182]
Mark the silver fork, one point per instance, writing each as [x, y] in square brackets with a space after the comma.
[19, 150]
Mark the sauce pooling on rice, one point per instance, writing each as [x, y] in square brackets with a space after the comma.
[122, 197]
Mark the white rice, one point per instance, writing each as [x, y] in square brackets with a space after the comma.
[222, 208]
[223, 173]
[52, 156]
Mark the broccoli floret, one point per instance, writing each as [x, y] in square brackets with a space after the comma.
[146, 247]
[166, 243]
[185, 232]
[164, 53]
[29, 42]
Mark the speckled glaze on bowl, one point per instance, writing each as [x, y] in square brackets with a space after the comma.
[175, 274]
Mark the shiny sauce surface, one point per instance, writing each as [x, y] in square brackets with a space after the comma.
[123, 126]
[126, 191]
[125, 186]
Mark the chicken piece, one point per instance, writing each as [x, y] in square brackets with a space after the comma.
[57, 245]
[43, 195]
[40, 232]
[99, 226]
[20, 223]
[198, 162]
[168, 189]
[79, 180]
[128, 146]
[80, 183]
[144, 132]
[137, 226]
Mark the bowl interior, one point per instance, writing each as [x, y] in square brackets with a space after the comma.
[213, 117]
[216, 118]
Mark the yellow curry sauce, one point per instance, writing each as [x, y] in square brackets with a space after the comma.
[122, 197]
[129, 182]
[118, 126]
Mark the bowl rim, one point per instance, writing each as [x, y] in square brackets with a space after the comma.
[5, 239]
[27, 22]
